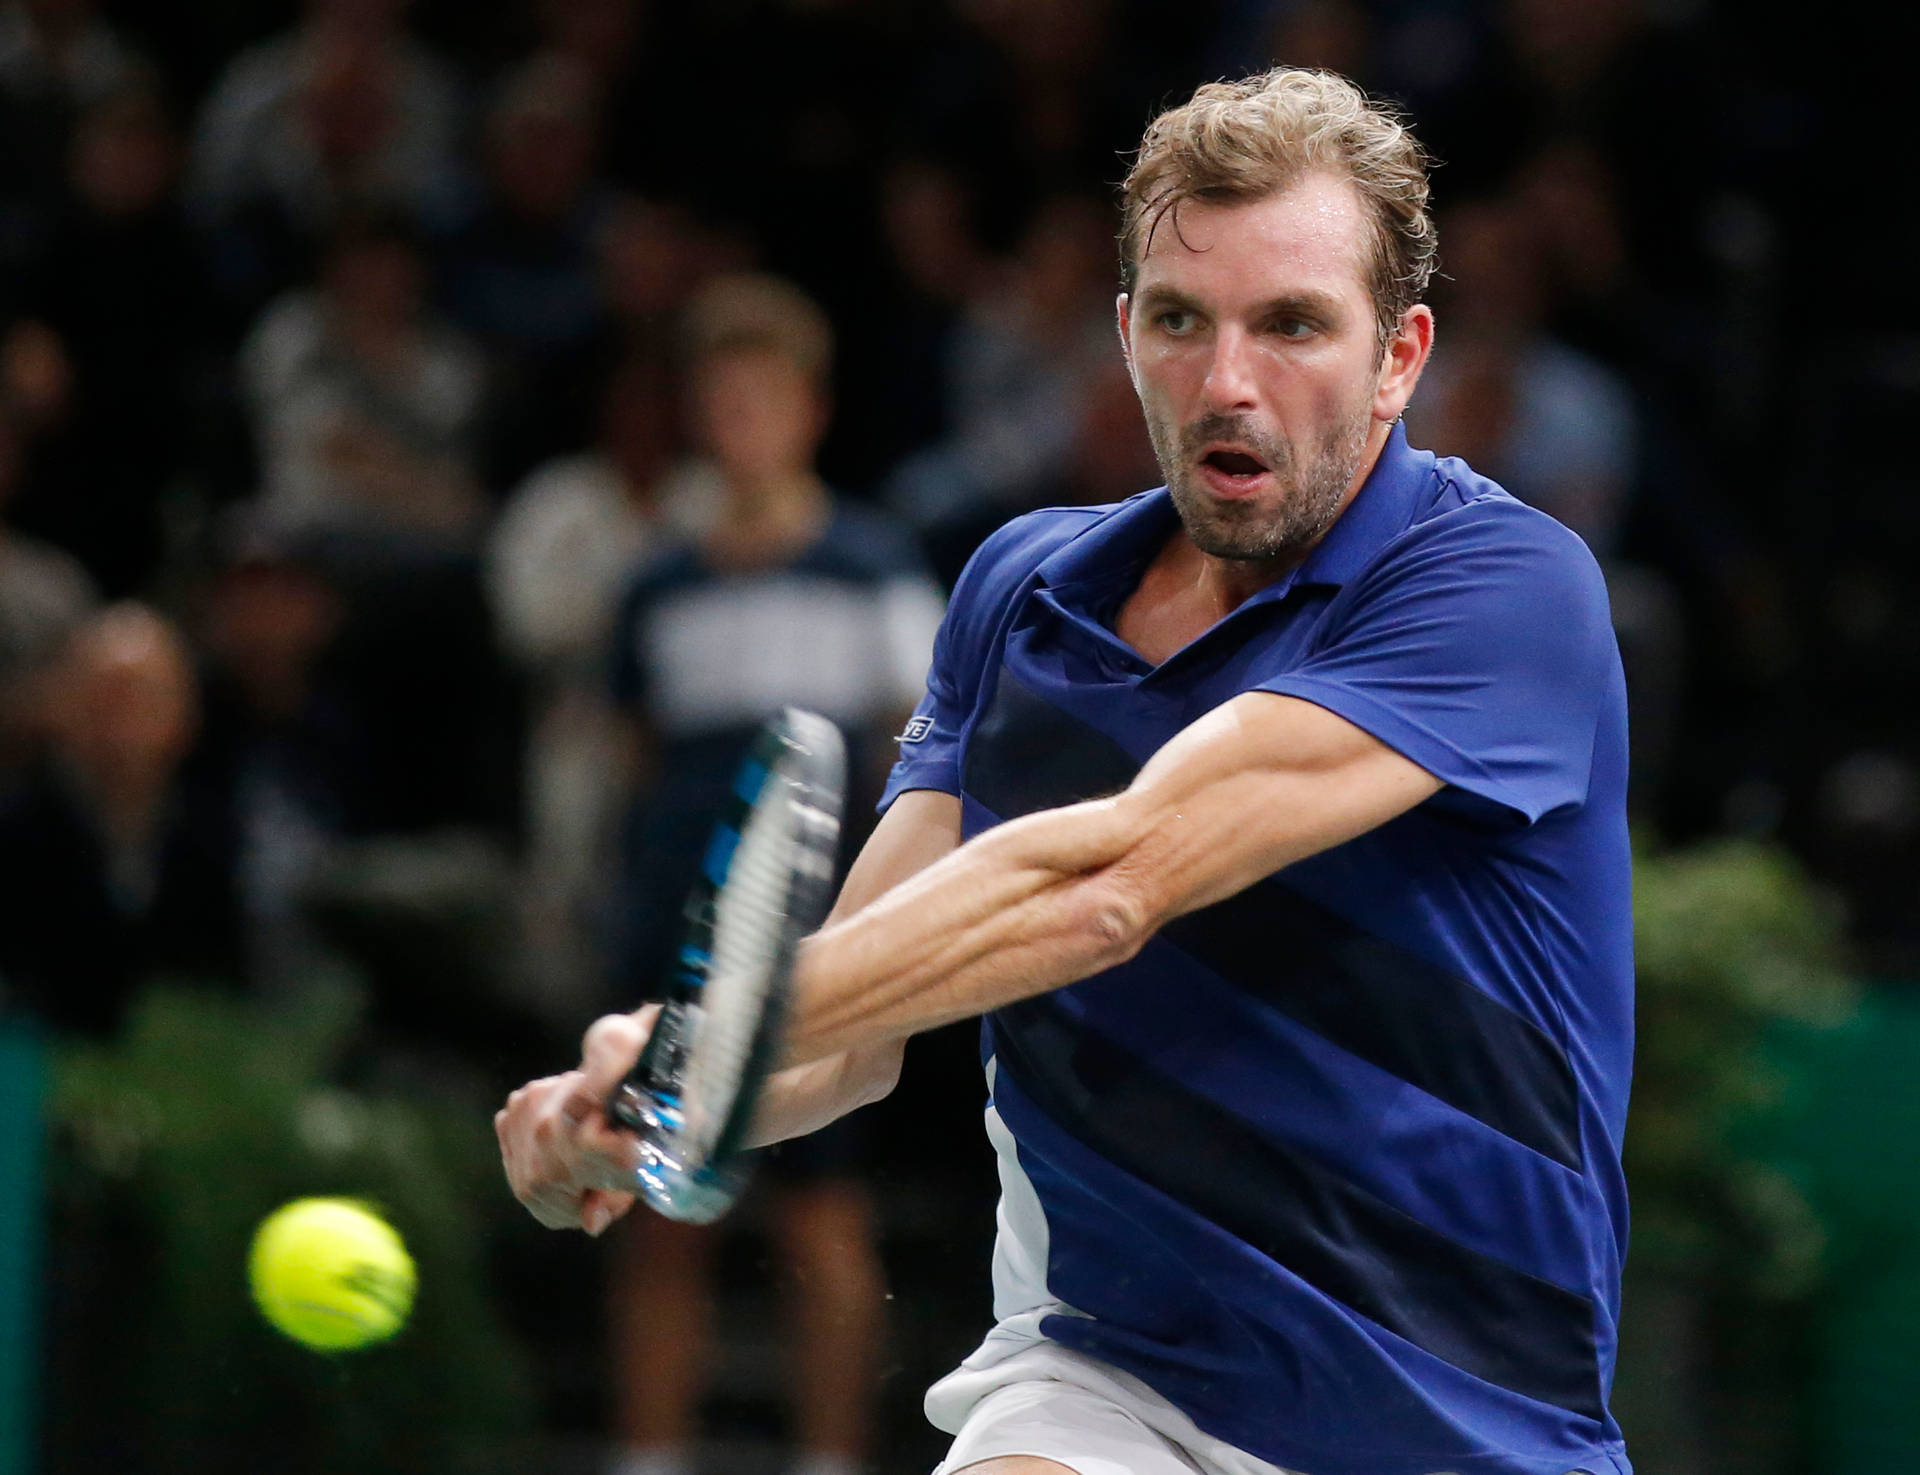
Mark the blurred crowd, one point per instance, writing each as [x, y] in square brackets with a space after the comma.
[431, 433]
[345, 385]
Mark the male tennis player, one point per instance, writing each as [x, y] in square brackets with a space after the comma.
[1275, 822]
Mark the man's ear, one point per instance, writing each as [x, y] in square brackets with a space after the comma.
[1401, 362]
[1123, 312]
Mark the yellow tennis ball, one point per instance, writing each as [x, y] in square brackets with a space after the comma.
[331, 1274]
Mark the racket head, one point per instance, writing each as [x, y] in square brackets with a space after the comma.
[766, 882]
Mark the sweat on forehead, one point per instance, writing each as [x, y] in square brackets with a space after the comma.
[1315, 231]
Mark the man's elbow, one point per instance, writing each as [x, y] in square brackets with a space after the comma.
[880, 1073]
[1114, 919]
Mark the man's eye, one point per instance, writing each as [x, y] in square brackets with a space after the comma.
[1293, 328]
[1174, 320]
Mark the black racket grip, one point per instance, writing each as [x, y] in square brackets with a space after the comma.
[655, 1079]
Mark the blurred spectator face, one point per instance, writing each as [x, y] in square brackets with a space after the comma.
[1259, 415]
[1493, 268]
[650, 258]
[1566, 41]
[126, 704]
[595, 33]
[1567, 191]
[36, 374]
[542, 139]
[1061, 38]
[1112, 457]
[757, 414]
[125, 156]
[349, 103]
[266, 623]
[1333, 34]
[927, 217]
[375, 282]
[1469, 410]
[1066, 261]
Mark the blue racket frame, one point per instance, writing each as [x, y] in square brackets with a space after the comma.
[797, 759]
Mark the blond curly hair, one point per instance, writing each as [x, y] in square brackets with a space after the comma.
[1235, 142]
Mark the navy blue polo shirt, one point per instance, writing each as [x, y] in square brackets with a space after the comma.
[1332, 1165]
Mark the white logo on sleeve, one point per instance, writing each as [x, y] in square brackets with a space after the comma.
[916, 729]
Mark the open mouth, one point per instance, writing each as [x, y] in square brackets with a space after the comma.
[1234, 463]
[1233, 472]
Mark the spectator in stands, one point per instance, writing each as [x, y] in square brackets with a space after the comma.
[516, 264]
[1554, 426]
[1110, 458]
[1031, 338]
[1032, 97]
[1559, 430]
[363, 405]
[365, 408]
[787, 596]
[44, 594]
[344, 108]
[898, 350]
[1338, 35]
[119, 280]
[279, 736]
[45, 588]
[651, 255]
[600, 35]
[110, 872]
[558, 560]
[618, 45]
[57, 58]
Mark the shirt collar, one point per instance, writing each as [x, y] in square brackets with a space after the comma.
[1380, 511]
[1130, 535]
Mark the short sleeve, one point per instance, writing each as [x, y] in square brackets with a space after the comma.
[930, 741]
[1480, 647]
[992, 579]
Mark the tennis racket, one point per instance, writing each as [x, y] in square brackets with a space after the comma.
[766, 882]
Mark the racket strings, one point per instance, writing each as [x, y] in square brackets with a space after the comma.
[749, 919]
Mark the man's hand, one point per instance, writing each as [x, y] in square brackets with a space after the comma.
[564, 1160]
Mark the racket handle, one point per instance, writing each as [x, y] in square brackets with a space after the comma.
[652, 1086]
[647, 1103]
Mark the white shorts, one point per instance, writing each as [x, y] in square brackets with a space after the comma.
[1048, 1401]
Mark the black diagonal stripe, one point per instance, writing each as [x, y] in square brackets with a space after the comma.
[1485, 1317]
[1391, 1008]
[1026, 754]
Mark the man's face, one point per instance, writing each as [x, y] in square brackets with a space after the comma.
[1251, 337]
[757, 414]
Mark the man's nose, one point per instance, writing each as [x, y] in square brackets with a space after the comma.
[1230, 383]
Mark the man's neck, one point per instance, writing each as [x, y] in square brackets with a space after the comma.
[765, 523]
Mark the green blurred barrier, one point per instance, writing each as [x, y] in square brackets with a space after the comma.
[21, 1146]
[1847, 1131]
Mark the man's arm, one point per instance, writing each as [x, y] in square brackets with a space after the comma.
[920, 827]
[1053, 897]
[566, 1162]
[1033, 904]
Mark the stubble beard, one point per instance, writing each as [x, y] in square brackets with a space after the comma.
[1263, 531]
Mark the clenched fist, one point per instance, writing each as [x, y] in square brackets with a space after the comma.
[564, 1160]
